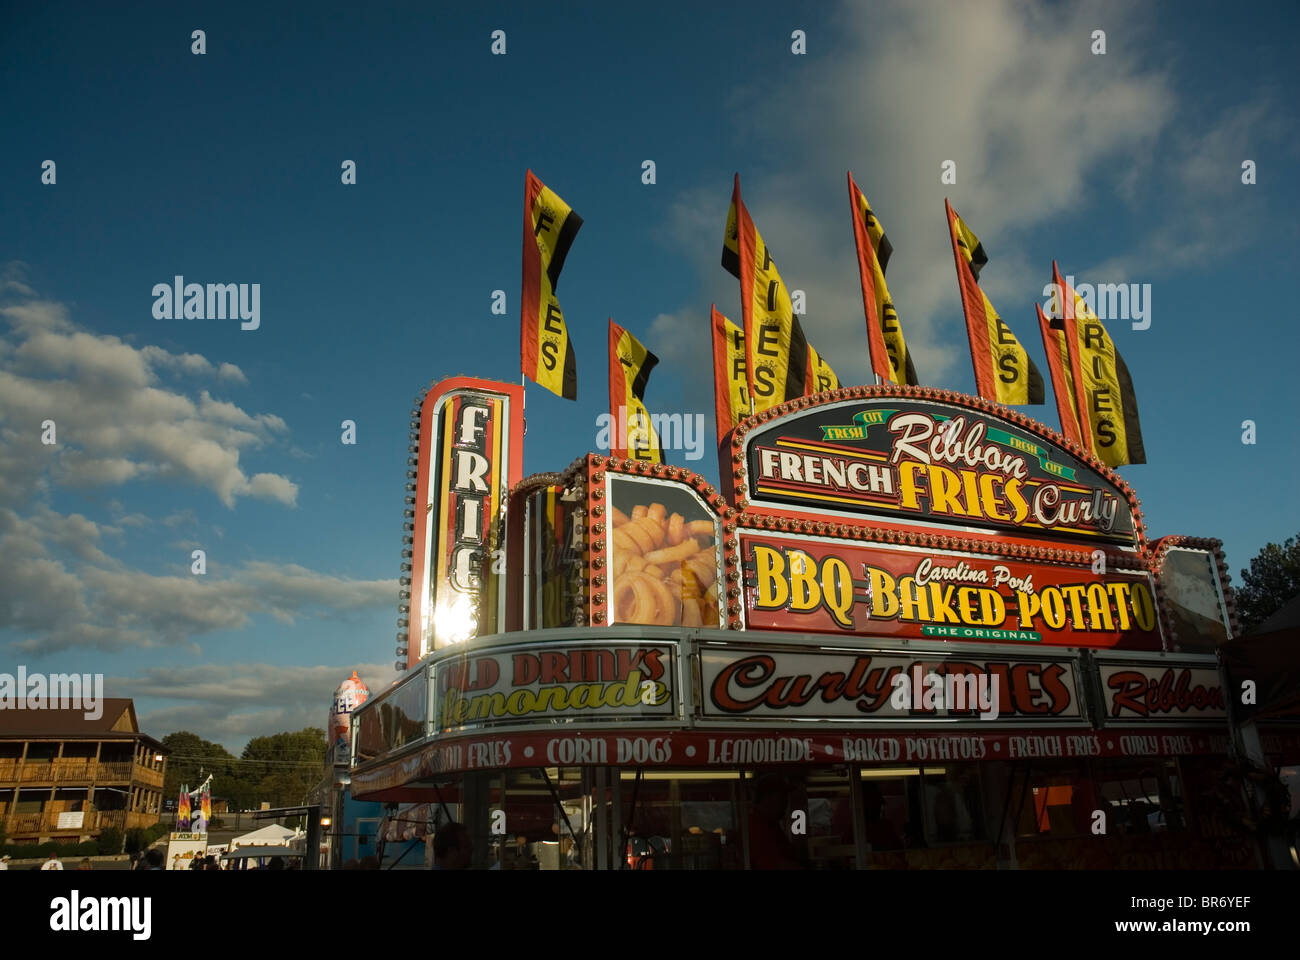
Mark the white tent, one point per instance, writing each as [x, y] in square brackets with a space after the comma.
[271, 835]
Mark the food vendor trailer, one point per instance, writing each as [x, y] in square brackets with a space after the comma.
[913, 629]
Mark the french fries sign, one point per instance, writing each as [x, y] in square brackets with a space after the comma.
[899, 458]
[809, 585]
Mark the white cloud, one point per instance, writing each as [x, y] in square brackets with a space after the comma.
[115, 421]
[59, 591]
[229, 703]
[1006, 89]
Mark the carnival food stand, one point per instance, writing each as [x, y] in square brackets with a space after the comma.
[913, 629]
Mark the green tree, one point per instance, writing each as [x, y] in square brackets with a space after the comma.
[284, 766]
[1272, 580]
[110, 842]
[190, 759]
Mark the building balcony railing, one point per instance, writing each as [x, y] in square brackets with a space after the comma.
[91, 822]
[76, 771]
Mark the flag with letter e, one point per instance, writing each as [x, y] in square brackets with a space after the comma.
[890, 359]
[1106, 403]
[777, 350]
[1058, 366]
[1003, 370]
[730, 382]
[631, 433]
[546, 354]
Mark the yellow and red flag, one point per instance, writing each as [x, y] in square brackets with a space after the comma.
[546, 353]
[631, 433]
[776, 347]
[890, 359]
[1058, 364]
[1105, 401]
[820, 377]
[1003, 370]
[730, 382]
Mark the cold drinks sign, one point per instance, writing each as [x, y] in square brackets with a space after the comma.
[900, 458]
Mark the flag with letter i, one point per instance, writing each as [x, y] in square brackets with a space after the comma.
[631, 433]
[777, 361]
[546, 353]
[1105, 401]
[730, 382]
[1003, 370]
[890, 359]
[1058, 366]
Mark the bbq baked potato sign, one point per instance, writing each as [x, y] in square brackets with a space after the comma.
[808, 584]
[899, 458]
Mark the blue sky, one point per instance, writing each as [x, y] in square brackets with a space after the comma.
[183, 434]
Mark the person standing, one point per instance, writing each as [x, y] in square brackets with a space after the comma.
[453, 847]
[53, 863]
[4, 862]
[769, 845]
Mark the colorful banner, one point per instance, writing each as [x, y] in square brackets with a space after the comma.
[730, 379]
[896, 458]
[800, 585]
[183, 809]
[546, 353]
[757, 683]
[564, 681]
[1106, 401]
[777, 349]
[1062, 379]
[1004, 372]
[1160, 691]
[890, 359]
[820, 377]
[631, 433]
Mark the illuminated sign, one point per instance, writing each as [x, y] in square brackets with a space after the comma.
[900, 458]
[470, 433]
[837, 587]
